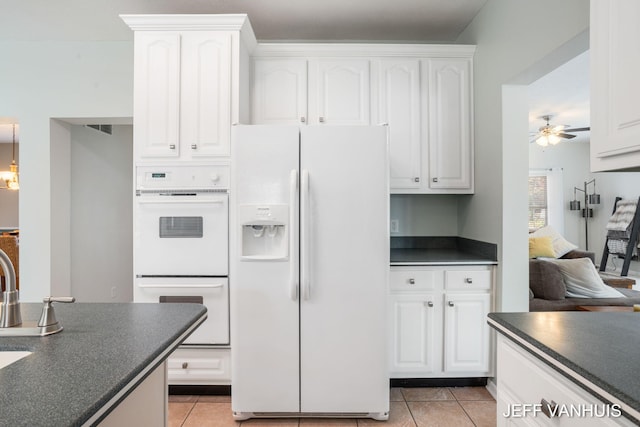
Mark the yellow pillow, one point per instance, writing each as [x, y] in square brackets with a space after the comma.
[541, 247]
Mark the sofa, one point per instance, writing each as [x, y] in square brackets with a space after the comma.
[547, 289]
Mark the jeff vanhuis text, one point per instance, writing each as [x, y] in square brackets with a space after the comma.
[523, 410]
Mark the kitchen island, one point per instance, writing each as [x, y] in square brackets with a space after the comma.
[576, 365]
[95, 365]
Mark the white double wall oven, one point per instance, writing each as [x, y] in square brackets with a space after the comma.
[181, 242]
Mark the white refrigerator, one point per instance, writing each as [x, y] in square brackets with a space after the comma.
[309, 259]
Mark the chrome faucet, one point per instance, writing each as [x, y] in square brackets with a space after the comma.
[10, 316]
[10, 308]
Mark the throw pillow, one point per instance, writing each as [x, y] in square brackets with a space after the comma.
[546, 280]
[560, 245]
[541, 247]
[582, 280]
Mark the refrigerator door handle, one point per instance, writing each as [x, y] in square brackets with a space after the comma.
[293, 236]
[304, 234]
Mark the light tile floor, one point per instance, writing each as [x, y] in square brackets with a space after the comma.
[419, 407]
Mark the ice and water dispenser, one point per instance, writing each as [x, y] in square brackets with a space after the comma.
[264, 231]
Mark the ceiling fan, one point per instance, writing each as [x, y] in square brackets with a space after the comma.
[553, 134]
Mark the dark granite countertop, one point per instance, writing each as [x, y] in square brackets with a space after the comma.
[441, 251]
[599, 347]
[72, 375]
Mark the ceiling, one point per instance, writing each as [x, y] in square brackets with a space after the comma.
[400, 20]
[437, 21]
[563, 94]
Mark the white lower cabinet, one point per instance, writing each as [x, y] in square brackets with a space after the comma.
[438, 321]
[531, 393]
[199, 366]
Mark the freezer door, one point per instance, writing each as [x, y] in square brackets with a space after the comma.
[264, 310]
[344, 269]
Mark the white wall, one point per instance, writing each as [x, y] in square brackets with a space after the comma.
[515, 40]
[573, 159]
[8, 199]
[101, 214]
[56, 80]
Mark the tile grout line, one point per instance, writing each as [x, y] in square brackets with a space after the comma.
[189, 413]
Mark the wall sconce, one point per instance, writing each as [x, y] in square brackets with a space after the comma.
[587, 212]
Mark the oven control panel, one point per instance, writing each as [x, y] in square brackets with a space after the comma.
[182, 177]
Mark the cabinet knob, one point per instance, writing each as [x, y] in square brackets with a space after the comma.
[435, 179]
[194, 146]
[412, 281]
[429, 303]
[185, 365]
[321, 119]
[451, 304]
[416, 179]
[468, 280]
[172, 146]
[302, 120]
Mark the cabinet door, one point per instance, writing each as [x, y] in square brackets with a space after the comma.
[205, 107]
[615, 87]
[398, 96]
[339, 92]
[279, 91]
[449, 123]
[466, 332]
[156, 93]
[416, 325]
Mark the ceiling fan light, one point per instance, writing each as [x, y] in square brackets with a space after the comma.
[553, 139]
[542, 141]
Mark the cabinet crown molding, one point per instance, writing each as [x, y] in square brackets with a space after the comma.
[194, 22]
[363, 50]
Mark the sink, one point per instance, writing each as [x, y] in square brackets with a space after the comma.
[8, 357]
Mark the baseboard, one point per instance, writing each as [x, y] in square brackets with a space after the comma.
[225, 390]
[438, 382]
[200, 390]
[492, 388]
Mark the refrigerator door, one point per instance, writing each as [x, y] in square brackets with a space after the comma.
[344, 270]
[264, 302]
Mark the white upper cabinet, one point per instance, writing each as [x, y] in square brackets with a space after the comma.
[191, 82]
[449, 125]
[156, 108]
[205, 102]
[423, 93]
[339, 92]
[279, 91]
[182, 101]
[296, 91]
[398, 105]
[615, 86]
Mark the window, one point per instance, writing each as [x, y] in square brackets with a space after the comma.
[538, 209]
[546, 199]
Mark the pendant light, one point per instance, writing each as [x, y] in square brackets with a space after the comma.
[10, 177]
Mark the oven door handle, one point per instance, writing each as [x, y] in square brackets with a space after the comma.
[212, 286]
[181, 201]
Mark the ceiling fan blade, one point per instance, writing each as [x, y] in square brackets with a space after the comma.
[565, 135]
[578, 129]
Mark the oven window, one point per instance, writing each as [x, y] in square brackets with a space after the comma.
[181, 226]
